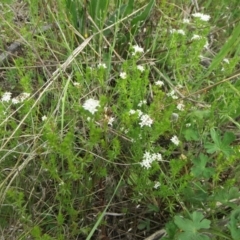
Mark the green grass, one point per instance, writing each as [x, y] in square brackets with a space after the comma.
[119, 120]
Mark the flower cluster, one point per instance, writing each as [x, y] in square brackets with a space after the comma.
[110, 121]
[149, 158]
[180, 106]
[145, 119]
[44, 118]
[137, 49]
[195, 37]
[19, 99]
[140, 68]
[178, 31]
[142, 103]
[175, 140]
[157, 185]
[123, 75]
[6, 97]
[172, 95]
[159, 83]
[76, 84]
[91, 105]
[102, 65]
[186, 20]
[201, 16]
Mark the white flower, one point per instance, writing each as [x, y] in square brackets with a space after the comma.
[142, 102]
[149, 158]
[91, 105]
[6, 97]
[140, 68]
[203, 17]
[206, 44]
[20, 98]
[157, 156]
[188, 124]
[102, 65]
[186, 20]
[44, 118]
[157, 185]
[159, 83]
[172, 95]
[196, 37]
[145, 120]
[15, 101]
[137, 49]
[226, 60]
[180, 106]
[124, 130]
[146, 163]
[179, 31]
[23, 96]
[175, 140]
[61, 183]
[123, 75]
[131, 112]
[76, 84]
[140, 113]
[110, 121]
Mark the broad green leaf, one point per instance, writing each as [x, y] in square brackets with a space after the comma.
[220, 145]
[234, 223]
[228, 138]
[192, 236]
[195, 194]
[215, 137]
[191, 227]
[191, 134]
[226, 195]
[200, 114]
[234, 193]
[184, 224]
[200, 169]
[199, 222]
[211, 147]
